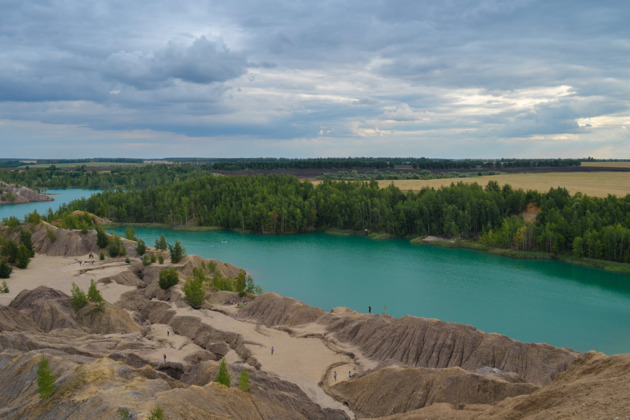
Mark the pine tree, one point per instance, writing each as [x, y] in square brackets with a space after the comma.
[5, 269]
[45, 379]
[243, 382]
[101, 237]
[23, 256]
[177, 252]
[224, 376]
[78, 299]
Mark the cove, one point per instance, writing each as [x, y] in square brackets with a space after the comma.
[532, 301]
[60, 197]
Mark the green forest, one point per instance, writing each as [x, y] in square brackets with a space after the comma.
[575, 225]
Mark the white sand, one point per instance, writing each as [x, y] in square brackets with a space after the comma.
[302, 360]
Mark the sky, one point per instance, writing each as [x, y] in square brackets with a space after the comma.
[328, 78]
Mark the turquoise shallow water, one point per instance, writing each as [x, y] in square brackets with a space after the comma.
[532, 301]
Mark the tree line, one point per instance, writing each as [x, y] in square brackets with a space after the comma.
[281, 204]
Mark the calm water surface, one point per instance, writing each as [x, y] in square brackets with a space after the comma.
[532, 301]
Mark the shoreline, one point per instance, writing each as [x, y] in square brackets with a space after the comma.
[610, 266]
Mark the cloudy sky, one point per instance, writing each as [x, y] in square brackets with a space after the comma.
[292, 78]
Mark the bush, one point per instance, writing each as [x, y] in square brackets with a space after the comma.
[101, 237]
[33, 217]
[4, 288]
[45, 379]
[141, 247]
[27, 240]
[93, 294]
[193, 290]
[168, 278]
[224, 376]
[101, 256]
[51, 235]
[23, 257]
[130, 234]
[161, 259]
[124, 413]
[156, 414]
[78, 298]
[10, 250]
[146, 261]
[152, 258]
[243, 382]
[116, 247]
[161, 243]
[177, 252]
[5, 269]
[127, 260]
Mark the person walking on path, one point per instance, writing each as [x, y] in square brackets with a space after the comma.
[335, 375]
[272, 350]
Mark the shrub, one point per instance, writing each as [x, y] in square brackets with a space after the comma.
[93, 294]
[130, 234]
[45, 379]
[193, 290]
[116, 247]
[124, 413]
[33, 217]
[156, 414]
[127, 260]
[78, 298]
[101, 256]
[177, 252]
[101, 237]
[161, 243]
[51, 235]
[152, 258]
[4, 288]
[5, 269]
[146, 261]
[10, 250]
[27, 240]
[168, 278]
[224, 376]
[141, 248]
[161, 259]
[23, 256]
[243, 382]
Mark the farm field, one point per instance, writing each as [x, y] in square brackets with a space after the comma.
[594, 184]
[625, 164]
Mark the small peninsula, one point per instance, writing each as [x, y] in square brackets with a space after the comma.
[17, 194]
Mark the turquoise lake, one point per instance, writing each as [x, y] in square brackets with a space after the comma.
[531, 301]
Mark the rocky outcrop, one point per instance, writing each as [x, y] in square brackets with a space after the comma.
[423, 342]
[272, 309]
[394, 390]
[17, 194]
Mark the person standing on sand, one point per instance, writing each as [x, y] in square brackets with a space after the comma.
[164, 357]
[349, 374]
[335, 375]
[272, 350]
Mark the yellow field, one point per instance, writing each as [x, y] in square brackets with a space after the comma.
[607, 164]
[594, 184]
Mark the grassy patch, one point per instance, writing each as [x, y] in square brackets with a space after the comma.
[612, 266]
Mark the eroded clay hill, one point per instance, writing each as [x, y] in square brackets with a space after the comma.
[403, 368]
[17, 194]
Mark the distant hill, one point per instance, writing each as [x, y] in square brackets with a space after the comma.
[16, 194]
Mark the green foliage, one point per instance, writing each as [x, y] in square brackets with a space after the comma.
[101, 237]
[23, 257]
[177, 252]
[78, 298]
[10, 250]
[130, 234]
[45, 379]
[34, 217]
[152, 258]
[11, 222]
[222, 283]
[146, 261]
[101, 256]
[243, 382]
[5, 269]
[161, 243]
[27, 241]
[116, 247]
[124, 413]
[194, 292]
[93, 294]
[51, 235]
[4, 288]
[141, 247]
[168, 278]
[224, 376]
[127, 260]
[161, 259]
[156, 414]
